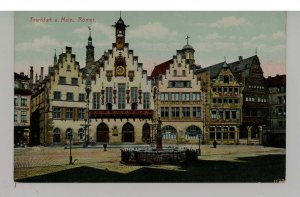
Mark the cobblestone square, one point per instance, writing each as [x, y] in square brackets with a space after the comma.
[225, 163]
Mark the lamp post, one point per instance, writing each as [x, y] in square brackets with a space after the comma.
[70, 157]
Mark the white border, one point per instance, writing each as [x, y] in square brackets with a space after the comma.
[7, 186]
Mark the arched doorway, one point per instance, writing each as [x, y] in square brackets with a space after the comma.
[102, 133]
[146, 132]
[56, 135]
[127, 133]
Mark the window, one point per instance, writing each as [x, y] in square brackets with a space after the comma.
[23, 116]
[81, 134]
[185, 112]
[68, 67]
[220, 114]
[62, 80]
[214, 100]
[108, 94]
[227, 115]
[175, 111]
[219, 90]
[121, 96]
[183, 72]
[225, 100]
[175, 96]
[23, 101]
[16, 100]
[16, 116]
[164, 96]
[236, 101]
[196, 96]
[197, 112]
[230, 90]
[193, 132]
[213, 114]
[220, 100]
[214, 89]
[96, 100]
[146, 100]
[169, 132]
[225, 90]
[229, 100]
[81, 114]
[56, 112]
[57, 95]
[69, 96]
[69, 113]
[164, 112]
[236, 91]
[185, 96]
[179, 84]
[175, 72]
[81, 97]
[134, 92]
[69, 134]
[74, 81]
[233, 114]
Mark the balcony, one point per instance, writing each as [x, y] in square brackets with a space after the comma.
[142, 114]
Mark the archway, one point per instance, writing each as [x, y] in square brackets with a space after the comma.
[169, 132]
[56, 135]
[193, 132]
[102, 133]
[146, 132]
[127, 133]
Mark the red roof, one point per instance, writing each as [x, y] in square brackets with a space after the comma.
[278, 80]
[161, 68]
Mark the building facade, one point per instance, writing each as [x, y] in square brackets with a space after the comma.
[255, 99]
[22, 95]
[276, 132]
[180, 99]
[223, 104]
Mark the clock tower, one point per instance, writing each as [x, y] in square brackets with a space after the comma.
[120, 28]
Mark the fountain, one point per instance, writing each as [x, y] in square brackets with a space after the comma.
[157, 155]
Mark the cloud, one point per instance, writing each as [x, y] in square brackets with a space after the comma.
[259, 37]
[151, 30]
[229, 22]
[278, 35]
[96, 28]
[214, 36]
[264, 48]
[38, 43]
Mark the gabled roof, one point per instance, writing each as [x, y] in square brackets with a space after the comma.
[161, 68]
[278, 80]
[242, 65]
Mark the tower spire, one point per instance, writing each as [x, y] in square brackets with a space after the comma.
[120, 14]
[187, 39]
[89, 49]
[256, 51]
[225, 58]
[90, 31]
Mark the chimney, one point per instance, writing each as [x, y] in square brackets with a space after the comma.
[42, 74]
[36, 78]
[22, 74]
[240, 58]
[31, 74]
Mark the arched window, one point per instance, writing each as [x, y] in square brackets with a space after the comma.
[69, 134]
[102, 133]
[81, 134]
[169, 132]
[127, 132]
[193, 132]
[56, 135]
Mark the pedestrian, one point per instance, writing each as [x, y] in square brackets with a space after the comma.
[215, 144]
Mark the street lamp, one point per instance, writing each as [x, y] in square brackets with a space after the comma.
[70, 157]
[199, 137]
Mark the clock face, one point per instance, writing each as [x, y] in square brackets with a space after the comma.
[120, 70]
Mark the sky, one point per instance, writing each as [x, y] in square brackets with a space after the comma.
[154, 36]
